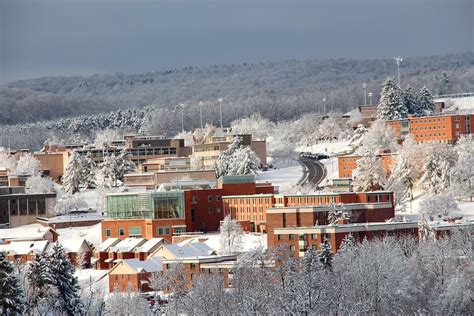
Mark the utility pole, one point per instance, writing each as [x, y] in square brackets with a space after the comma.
[364, 86]
[200, 111]
[220, 109]
[398, 60]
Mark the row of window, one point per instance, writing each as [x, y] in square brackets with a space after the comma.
[136, 231]
[194, 198]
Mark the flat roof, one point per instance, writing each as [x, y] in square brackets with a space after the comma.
[354, 227]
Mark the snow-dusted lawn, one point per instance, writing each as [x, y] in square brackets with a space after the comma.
[283, 176]
[331, 168]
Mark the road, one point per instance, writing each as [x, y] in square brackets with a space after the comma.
[313, 171]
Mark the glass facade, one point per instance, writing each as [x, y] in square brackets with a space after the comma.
[237, 179]
[153, 205]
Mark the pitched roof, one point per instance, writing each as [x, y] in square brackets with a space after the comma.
[150, 265]
[190, 250]
[25, 233]
[150, 244]
[109, 242]
[128, 244]
[73, 244]
[25, 247]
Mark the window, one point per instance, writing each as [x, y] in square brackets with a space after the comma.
[135, 231]
[292, 247]
[121, 231]
[292, 236]
[314, 236]
[107, 232]
[279, 237]
[193, 265]
[218, 209]
[194, 200]
[193, 215]
[209, 209]
[218, 197]
[209, 198]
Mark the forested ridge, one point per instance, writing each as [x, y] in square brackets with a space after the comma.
[279, 90]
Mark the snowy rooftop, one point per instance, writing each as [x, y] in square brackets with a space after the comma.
[25, 233]
[150, 244]
[72, 245]
[128, 244]
[150, 265]
[109, 242]
[189, 250]
[25, 247]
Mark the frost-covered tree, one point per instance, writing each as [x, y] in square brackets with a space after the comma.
[6, 160]
[356, 138]
[12, 300]
[369, 174]
[410, 101]
[379, 137]
[244, 161]
[73, 175]
[127, 303]
[403, 176]
[231, 236]
[105, 137]
[38, 184]
[337, 213]
[391, 106]
[445, 85]
[27, 165]
[438, 164]
[68, 203]
[224, 161]
[39, 284]
[63, 279]
[125, 164]
[437, 206]
[326, 255]
[89, 172]
[256, 125]
[462, 174]
[425, 101]
[348, 243]
[109, 172]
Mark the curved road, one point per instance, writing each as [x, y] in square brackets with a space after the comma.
[313, 171]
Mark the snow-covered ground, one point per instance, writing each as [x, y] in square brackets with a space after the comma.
[285, 174]
[337, 147]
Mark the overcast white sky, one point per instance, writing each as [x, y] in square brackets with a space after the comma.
[67, 37]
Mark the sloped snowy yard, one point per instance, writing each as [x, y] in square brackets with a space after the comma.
[283, 176]
[337, 147]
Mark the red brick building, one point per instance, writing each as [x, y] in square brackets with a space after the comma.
[446, 128]
[346, 164]
[253, 208]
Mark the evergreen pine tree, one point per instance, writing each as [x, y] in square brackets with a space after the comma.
[108, 172]
[347, 243]
[391, 104]
[244, 161]
[332, 214]
[64, 280]
[224, 162]
[12, 301]
[410, 101]
[326, 255]
[39, 281]
[73, 173]
[425, 102]
[310, 260]
[89, 170]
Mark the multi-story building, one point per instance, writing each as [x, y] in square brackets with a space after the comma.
[208, 149]
[141, 148]
[53, 161]
[254, 208]
[346, 164]
[19, 208]
[153, 180]
[166, 213]
[446, 128]
[299, 238]
[165, 164]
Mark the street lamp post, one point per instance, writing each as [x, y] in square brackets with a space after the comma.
[398, 60]
[220, 110]
[370, 98]
[200, 111]
[364, 86]
[324, 106]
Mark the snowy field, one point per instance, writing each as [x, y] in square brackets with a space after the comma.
[285, 174]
